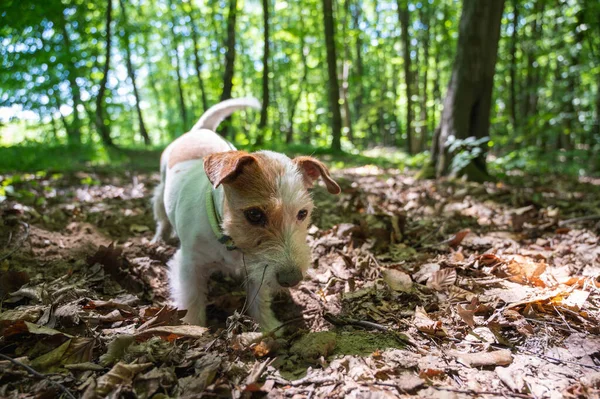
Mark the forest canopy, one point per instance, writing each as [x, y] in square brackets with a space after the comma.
[127, 73]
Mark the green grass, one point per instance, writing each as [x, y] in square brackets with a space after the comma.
[33, 158]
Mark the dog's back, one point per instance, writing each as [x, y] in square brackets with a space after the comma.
[199, 142]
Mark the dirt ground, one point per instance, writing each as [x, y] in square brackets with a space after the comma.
[418, 289]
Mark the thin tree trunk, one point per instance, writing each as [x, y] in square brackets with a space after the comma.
[229, 60]
[345, 74]
[264, 111]
[334, 87]
[182, 106]
[532, 75]
[290, 132]
[425, 13]
[197, 60]
[358, 102]
[513, 65]
[74, 132]
[404, 17]
[467, 106]
[102, 128]
[131, 73]
[152, 81]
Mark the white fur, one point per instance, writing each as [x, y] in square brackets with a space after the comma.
[179, 205]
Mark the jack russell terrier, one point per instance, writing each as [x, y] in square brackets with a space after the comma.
[235, 212]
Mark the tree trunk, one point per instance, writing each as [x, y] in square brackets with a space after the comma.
[131, 73]
[467, 106]
[345, 75]
[532, 75]
[102, 128]
[513, 65]
[264, 111]
[290, 132]
[334, 87]
[404, 17]
[197, 60]
[358, 102]
[229, 60]
[74, 131]
[182, 106]
[425, 15]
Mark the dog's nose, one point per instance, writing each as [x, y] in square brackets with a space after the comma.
[289, 277]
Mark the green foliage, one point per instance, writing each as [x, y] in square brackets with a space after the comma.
[54, 52]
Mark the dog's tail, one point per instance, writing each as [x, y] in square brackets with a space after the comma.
[217, 113]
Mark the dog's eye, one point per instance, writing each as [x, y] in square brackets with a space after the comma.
[255, 216]
[302, 215]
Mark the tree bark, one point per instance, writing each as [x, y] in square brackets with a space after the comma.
[182, 106]
[102, 128]
[532, 75]
[131, 73]
[425, 15]
[74, 131]
[290, 132]
[264, 111]
[334, 87]
[358, 102]
[229, 60]
[346, 117]
[513, 65]
[467, 106]
[404, 17]
[197, 60]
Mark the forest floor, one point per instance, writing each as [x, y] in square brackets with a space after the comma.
[418, 289]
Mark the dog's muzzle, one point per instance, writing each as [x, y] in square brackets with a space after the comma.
[289, 277]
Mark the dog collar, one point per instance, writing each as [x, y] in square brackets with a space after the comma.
[214, 220]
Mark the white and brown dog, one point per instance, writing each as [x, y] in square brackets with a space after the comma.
[234, 210]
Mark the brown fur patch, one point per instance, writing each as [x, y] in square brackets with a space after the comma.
[257, 188]
[311, 169]
[189, 146]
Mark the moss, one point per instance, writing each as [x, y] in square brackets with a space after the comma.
[359, 343]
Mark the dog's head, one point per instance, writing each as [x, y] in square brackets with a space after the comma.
[267, 209]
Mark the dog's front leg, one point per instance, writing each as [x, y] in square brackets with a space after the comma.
[259, 299]
[189, 285]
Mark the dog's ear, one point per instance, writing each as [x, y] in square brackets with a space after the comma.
[312, 169]
[224, 167]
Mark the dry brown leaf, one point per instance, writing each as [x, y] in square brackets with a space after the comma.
[525, 271]
[458, 237]
[166, 331]
[425, 324]
[489, 259]
[120, 374]
[397, 280]
[501, 357]
[442, 279]
[576, 300]
[467, 315]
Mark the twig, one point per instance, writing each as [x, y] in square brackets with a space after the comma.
[580, 219]
[39, 375]
[554, 359]
[475, 393]
[20, 243]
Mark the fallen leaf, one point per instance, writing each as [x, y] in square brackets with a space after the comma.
[501, 357]
[164, 331]
[397, 280]
[425, 324]
[576, 300]
[442, 279]
[120, 374]
[455, 240]
[137, 228]
[466, 314]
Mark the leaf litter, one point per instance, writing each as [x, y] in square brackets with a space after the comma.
[418, 288]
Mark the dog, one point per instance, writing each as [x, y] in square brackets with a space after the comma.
[235, 212]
